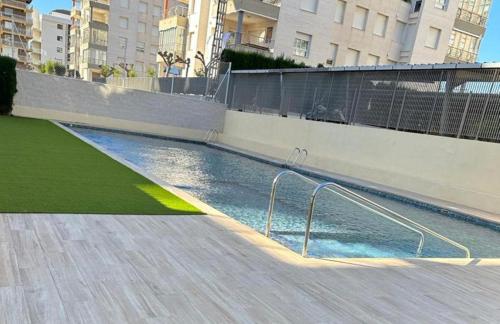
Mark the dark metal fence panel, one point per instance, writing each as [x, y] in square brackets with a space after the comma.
[462, 103]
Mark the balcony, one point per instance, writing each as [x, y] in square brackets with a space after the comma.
[75, 13]
[19, 4]
[100, 4]
[461, 55]
[15, 17]
[267, 9]
[251, 43]
[471, 17]
[178, 11]
[16, 43]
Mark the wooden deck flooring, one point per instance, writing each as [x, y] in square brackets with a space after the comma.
[192, 269]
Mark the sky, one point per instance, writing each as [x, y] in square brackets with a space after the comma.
[490, 46]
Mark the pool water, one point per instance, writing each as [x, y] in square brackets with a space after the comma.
[240, 187]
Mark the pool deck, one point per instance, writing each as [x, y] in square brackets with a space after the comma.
[191, 269]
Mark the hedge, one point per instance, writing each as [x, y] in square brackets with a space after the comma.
[8, 84]
[256, 61]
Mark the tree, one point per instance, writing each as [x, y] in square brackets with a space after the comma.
[42, 68]
[129, 70]
[169, 60]
[204, 70]
[106, 70]
[50, 67]
[8, 81]
[151, 72]
[131, 73]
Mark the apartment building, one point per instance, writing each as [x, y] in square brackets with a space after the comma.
[117, 33]
[15, 29]
[332, 32]
[55, 33]
[366, 32]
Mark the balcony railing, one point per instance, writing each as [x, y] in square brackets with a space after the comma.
[252, 41]
[17, 4]
[19, 44]
[179, 11]
[93, 60]
[461, 55]
[471, 17]
[13, 16]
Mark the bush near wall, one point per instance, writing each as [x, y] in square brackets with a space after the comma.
[8, 84]
[256, 61]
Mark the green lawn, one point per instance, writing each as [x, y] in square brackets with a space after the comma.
[44, 169]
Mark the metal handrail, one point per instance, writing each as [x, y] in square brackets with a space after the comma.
[319, 186]
[209, 135]
[295, 155]
[419, 227]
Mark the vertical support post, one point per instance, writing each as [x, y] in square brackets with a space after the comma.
[392, 100]
[401, 110]
[282, 112]
[483, 113]
[172, 85]
[357, 98]
[435, 102]
[239, 27]
[227, 82]
[464, 115]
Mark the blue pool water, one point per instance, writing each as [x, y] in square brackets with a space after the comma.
[240, 187]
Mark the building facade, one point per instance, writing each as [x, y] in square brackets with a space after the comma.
[15, 30]
[116, 33]
[55, 29]
[332, 32]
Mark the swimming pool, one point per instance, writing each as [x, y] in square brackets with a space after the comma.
[240, 187]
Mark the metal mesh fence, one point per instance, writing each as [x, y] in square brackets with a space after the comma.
[211, 88]
[457, 102]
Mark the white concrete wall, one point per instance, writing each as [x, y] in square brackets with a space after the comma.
[65, 99]
[462, 172]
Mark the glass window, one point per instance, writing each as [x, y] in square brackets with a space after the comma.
[156, 11]
[59, 26]
[441, 4]
[432, 39]
[309, 5]
[302, 44]
[59, 38]
[143, 7]
[340, 11]
[399, 32]
[352, 57]
[140, 47]
[124, 3]
[141, 27]
[124, 22]
[360, 18]
[373, 59]
[59, 49]
[380, 25]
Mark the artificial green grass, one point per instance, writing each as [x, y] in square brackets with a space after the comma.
[44, 169]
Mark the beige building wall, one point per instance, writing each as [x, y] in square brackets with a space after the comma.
[451, 171]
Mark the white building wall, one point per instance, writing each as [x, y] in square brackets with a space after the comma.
[55, 41]
[116, 52]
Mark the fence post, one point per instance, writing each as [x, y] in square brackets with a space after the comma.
[392, 100]
[486, 104]
[401, 110]
[435, 103]
[282, 97]
[172, 86]
[464, 115]
[227, 82]
[357, 98]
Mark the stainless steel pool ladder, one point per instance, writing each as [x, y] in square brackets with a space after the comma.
[210, 134]
[365, 203]
[297, 155]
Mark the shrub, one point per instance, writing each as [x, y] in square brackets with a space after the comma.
[50, 67]
[42, 68]
[59, 69]
[117, 73]
[256, 61]
[8, 84]
[131, 73]
[106, 71]
[151, 72]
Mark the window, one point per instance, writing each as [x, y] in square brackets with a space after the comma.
[139, 66]
[124, 3]
[59, 49]
[124, 22]
[156, 11]
[59, 38]
[154, 31]
[143, 7]
[141, 27]
[191, 44]
[380, 25]
[309, 5]
[441, 4]
[123, 42]
[399, 32]
[334, 51]
[373, 59]
[140, 47]
[360, 18]
[59, 26]
[352, 57]
[302, 44]
[340, 11]
[153, 50]
[432, 39]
